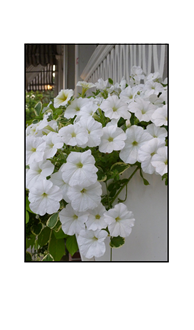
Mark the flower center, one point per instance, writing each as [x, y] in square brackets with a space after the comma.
[83, 191]
[33, 149]
[95, 238]
[117, 218]
[77, 109]
[130, 96]
[143, 111]
[110, 139]
[153, 153]
[39, 170]
[135, 143]
[63, 97]
[79, 165]
[166, 162]
[97, 216]
[114, 109]
[44, 195]
[51, 145]
[75, 217]
[73, 134]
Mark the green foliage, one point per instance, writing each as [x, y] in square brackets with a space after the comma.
[52, 221]
[116, 242]
[144, 180]
[71, 244]
[56, 247]
[44, 236]
[28, 256]
[48, 257]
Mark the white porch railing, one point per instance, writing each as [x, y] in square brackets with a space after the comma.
[116, 61]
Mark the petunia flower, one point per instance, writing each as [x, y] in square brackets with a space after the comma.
[57, 179]
[156, 131]
[160, 161]
[101, 84]
[91, 243]
[35, 147]
[146, 153]
[114, 108]
[38, 171]
[72, 222]
[136, 137]
[44, 197]
[159, 117]
[85, 198]
[74, 135]
[94, 130]
[75, 107]
[53, 142]
[87, 110]
[113, 139]
[128, 94]
[143, 109]
[63, 97]
[80, 169]
[96, 218]
[120, 220]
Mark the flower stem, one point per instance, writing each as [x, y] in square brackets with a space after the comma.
[110, 253]
[125, 184]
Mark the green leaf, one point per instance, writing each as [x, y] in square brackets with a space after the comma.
[60, 234]
[28, 256]
[120, 167]
[30, 241]
[36, 228]
[38, 108]
[44, 236]
[101, 175]
[27, 216]
[116, 242]
[71, 244]
[110, 81]
[52, 221]
[56, 247]
[48, 257]
[28, 205]
[165, 176]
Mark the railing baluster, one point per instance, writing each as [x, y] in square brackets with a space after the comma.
[131, 58]
[162, 56]
[155, 58]
[150, 54]
[134, 55]
[127, 63]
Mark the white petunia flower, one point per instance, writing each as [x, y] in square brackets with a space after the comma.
[156, 131]
[63, 97]
[136, 75]
[101, 84]
[159, 117]
[146, 153]
[114, 108]
[35, 147]
[80, 169]
[152, 87]
[57, 180]
[72, 222]
[85, 84]
[120, 221]
[128, 94]
[44, 197]
[87, 110]
[156, 77]
[74, 135]
[143, 109]
[94, 130]
[160, 161]
[91, 243]
[53, 142]
[38, 171]
[96, 218]
[85, 198]
[75, 107]
[136, 137]
[113, 139]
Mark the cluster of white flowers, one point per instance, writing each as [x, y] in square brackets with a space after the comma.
[93, 123]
